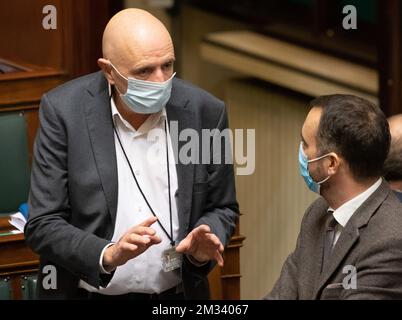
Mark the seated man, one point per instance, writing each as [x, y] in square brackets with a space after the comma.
[350, 242]
[393, 163]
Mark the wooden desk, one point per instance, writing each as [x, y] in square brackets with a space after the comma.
[17, 261]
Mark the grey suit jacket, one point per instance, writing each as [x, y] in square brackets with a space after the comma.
[74, 187]
[371, 242]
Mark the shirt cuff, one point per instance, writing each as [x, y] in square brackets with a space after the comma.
[195, 261]
[101, 267]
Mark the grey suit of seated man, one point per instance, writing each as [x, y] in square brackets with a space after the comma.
[350, 241]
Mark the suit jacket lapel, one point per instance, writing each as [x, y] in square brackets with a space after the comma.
[180, 118]
[99, 121]
[345, 242]
[350, 234]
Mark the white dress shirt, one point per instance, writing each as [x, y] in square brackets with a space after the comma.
[144, 273]
[343, 214]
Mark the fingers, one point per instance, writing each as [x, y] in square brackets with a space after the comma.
[129, 246]
[155, 240]
[184, 245]
[148, 222]
[215, 242]
[218, 257]
[202, 229]
[138, 239]
[143, 231]
[221, 248]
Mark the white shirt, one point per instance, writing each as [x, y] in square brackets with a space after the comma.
[144, 273]
[343, 214]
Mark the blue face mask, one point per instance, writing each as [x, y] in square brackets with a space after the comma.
[146, 96]
[303, 165]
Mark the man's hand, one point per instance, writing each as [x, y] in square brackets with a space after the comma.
[134, 242]
[202, 245]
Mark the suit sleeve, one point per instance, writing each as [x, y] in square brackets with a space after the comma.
[48, 231]
[221, 211]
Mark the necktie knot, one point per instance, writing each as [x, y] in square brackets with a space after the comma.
[331, 221]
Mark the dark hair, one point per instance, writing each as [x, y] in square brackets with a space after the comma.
[393, 163]
[355, 129]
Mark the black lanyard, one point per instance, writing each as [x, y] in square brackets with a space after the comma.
[172, 242]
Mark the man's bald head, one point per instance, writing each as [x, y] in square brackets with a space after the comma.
[393, 164]
[137, 44]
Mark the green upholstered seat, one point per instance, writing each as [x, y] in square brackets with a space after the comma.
[14, 162]
[5, 289]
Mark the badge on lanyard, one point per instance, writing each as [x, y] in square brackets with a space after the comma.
[171, 260]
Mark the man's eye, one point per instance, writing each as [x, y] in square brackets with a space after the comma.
[168, 65]
[143, 72]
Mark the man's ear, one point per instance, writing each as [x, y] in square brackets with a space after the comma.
[334, 163]
[106, 67]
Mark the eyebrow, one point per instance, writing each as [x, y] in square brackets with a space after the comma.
[145, 66]
[304, 141]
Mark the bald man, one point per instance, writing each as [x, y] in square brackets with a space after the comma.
[111, 217]
[393, 163]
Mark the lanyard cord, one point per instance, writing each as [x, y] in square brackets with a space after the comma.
[168, 178]
[172, 242]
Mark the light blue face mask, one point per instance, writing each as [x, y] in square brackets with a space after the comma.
[146, 96]
[303, 165]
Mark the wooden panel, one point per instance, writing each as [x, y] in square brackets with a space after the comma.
[23, 37]
[287, 65]
[15, 255]
[83, 23]
[19, 89]
[390, 55]
[22, 91]
[73, 47]
[225, 282]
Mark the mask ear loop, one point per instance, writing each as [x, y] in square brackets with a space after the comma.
[118, 72]
[322, 181]
[327, 178]
[319, 158]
